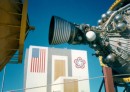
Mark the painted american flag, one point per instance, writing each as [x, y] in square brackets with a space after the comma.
[38, 60]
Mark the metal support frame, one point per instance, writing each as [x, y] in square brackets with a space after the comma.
[22, 30]
[100, 89]
[11, 12]
[109, 84]
[9, 25]
[124, 90]
[116, 89]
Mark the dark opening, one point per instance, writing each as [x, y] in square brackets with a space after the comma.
[51, 30]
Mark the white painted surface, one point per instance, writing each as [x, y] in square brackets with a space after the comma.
[58, 85]
[81, 72]
[40, 79]
[34, 79]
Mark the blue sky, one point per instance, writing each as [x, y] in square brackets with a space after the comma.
[40, 12]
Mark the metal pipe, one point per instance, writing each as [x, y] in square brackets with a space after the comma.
[113, 15]
[2, 87]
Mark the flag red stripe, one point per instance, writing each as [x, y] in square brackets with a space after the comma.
[44, 59]
[33, 64]
[37, 65]
[41, 61]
